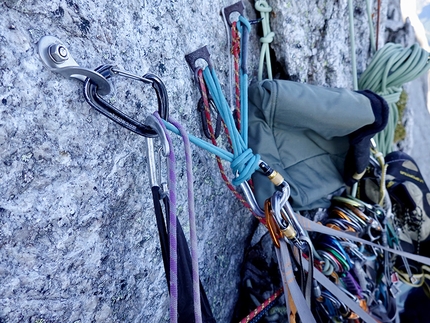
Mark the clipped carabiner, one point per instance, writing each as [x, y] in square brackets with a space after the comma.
[204, 118]
[153, 170]
[95, 100]
[271, 224]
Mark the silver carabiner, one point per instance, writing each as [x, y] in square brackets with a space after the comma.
[154, 175]
[285, 218]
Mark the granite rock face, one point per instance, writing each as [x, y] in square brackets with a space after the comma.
[78, 238]
[314, 46]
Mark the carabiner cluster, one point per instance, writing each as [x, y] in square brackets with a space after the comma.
[362, 272]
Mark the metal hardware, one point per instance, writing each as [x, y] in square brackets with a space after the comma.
[58, 53]
[232, 13]
[285, 218]
[192, 58]
[218, 121]
[251, 200]
[56, 57]
[154, 176]
[97, 102]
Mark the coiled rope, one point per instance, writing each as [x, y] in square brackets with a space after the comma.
[391, 67]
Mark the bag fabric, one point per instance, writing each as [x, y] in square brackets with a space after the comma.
[302, 131]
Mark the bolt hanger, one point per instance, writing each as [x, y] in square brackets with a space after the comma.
[56, 57]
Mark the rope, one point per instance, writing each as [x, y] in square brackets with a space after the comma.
[173, 247]
[192, 221]
[369, 6]
[352, 42]
[391, 67]
[262, 309]
[214, 142]
[263, 7]
[243, 162]
[235, 51]
[244, 28]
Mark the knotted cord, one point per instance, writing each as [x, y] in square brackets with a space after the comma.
[203, 90]
[243, 161]
[263, 7]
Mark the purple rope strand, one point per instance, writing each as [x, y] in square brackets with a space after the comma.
[173, 248]
[192, 220]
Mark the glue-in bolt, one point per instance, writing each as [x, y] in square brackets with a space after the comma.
[58, 53]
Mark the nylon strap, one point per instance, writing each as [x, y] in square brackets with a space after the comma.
[315, 227]
[290, 284]
[162, 230]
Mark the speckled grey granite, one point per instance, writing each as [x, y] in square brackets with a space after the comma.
[315, 46]
[78, 239]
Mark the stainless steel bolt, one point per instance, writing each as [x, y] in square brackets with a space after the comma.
[58, 53]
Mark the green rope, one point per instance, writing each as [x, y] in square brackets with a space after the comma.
[263, 7]
[390, 68]
[352, 41]
[369, 6]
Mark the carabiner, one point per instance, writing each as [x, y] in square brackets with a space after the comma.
[94, 99]
[203, 117]
[154, 175]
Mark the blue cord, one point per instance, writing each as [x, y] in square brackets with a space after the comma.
[243, 161]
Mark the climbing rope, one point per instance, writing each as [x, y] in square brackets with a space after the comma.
[173, 241]
[192, 223]
[214, 142]
[391, 67]
[235, 51]
[242, 161]
[262, 309]
[352, 44]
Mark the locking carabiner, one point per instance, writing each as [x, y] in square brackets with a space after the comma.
[93, 97]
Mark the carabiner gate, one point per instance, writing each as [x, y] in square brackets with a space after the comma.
[154, 175]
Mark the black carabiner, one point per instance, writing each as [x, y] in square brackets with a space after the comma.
[104, 107]
[218, 122]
